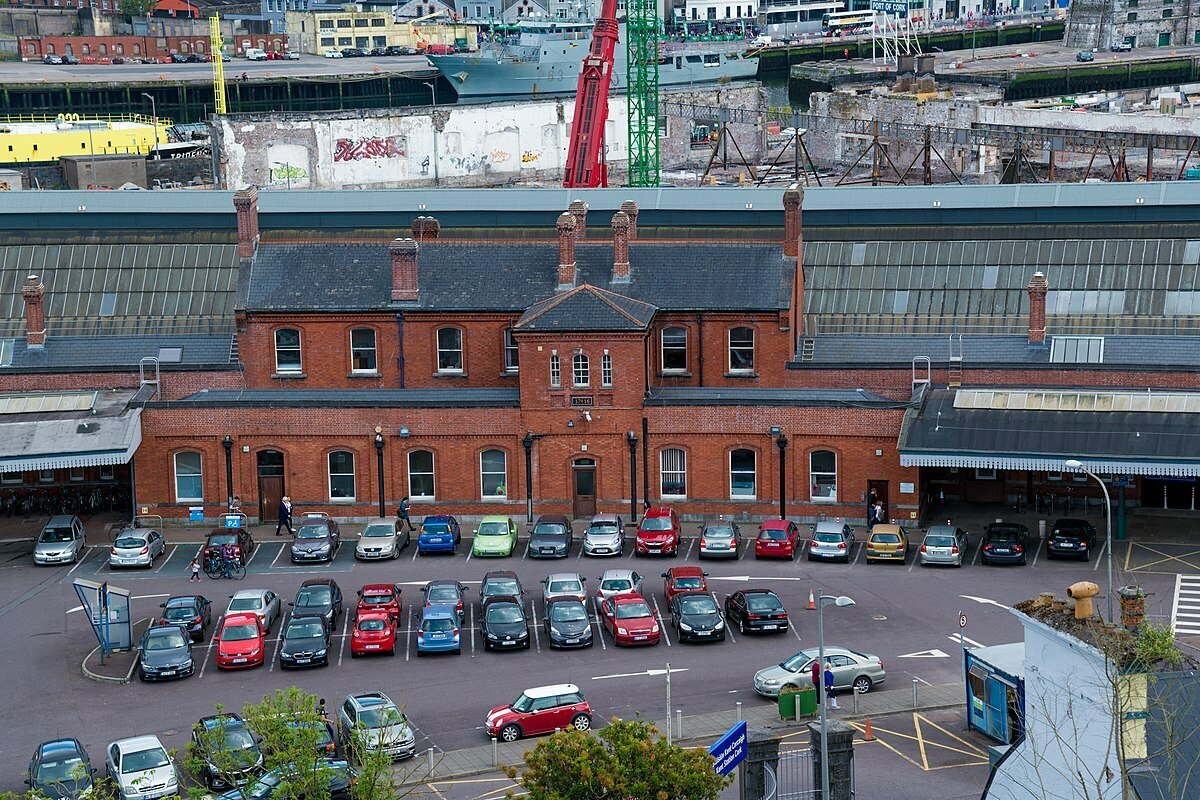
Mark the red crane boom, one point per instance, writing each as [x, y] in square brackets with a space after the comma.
[585, 154]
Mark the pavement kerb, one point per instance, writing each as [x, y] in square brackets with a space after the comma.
[92, 676]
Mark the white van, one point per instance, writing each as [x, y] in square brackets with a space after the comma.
[761, 41]
[256, 54]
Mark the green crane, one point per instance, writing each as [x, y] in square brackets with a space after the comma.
[642, 40]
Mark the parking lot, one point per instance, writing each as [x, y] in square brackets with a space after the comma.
[906, 614]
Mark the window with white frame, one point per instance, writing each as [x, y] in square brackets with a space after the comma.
[743, 475]
[674, 350]
[362, 350]
[76, 474]
[741, 349]
[341, 475]
[672, 472]
[580, 370]
[555, 371]
[822, 472]
[606, 370]
[420, 475]
[189, 477]
[107, 473]
[45, 476]
[287, 351]
[493, 474]
[512, 356]
[985, 474]
[449, 350]
[11, 478]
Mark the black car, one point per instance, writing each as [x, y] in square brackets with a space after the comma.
[1084, 55]
[178, 58]
[70, 59]
[60, 770]
[567, 623]
[377, 51]
[340, 777]
[304, 642]
[1071, 538]
[317, 539]
[756, 610]
[393, 50]
[551, 537]
[1005, 543]
[500, 583]
[229, 750]
[323, 736]
[697, 617]
[352, 52]
[192, 612]
[165, 653]
[450, 593]
[320, 597]
[504, 624]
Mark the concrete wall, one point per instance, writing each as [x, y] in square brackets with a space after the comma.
[1099, 23]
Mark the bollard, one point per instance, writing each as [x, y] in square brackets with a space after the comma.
[495, 752]
[431, 761]
[678, 723]
[914, 692]
[739, 712]
[856, 693]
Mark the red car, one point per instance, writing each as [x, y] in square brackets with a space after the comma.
[241, 643]
[379, 597]
[545, 709]
[658, 533]
[777, 538]
[629, 619]
[374, 632]
[684, 579]
[240, 538]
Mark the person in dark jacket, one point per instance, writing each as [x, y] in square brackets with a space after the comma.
[285, 516]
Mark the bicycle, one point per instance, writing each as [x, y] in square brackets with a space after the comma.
[221, 568]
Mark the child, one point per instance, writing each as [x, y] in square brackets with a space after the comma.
[195, 568]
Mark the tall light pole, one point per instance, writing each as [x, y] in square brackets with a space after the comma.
[379, 470]
[287, 171]
[825, 600]
[1076, 464]
[153, 119]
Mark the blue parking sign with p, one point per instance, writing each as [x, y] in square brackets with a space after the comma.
[729, 750]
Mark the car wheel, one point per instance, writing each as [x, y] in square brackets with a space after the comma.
[581, 722]
[1023, 561]
[510, 733]
[395, 552]
[353, 654]
[862, 684]
[392, 652]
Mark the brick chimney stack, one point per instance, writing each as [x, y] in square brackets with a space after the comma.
[631, 210]
[566, 249]
[620, 227]
[404, 270]
[34, 292]
[579, 210]
[793, 199]
[426, 228]
[246, 203]
[1038, 287]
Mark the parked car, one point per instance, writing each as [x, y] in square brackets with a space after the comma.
[374, 632]
[352, 52]
[1122, 46]
[56, 60]
[179, 58]
[495, 536]
[240, 538]
[331, 53]
[541, 710]
[62, 541]
[1005, 543]
[382, 538]
[943, 544]
[777, 538]
[290, 55]
[504, 625]
[658, 533]
[320, 597]
[500, 583]
[165, 653]
[831, 540]
[317, 539]
[851, 670]
[140, 768]
[137, 547]
[385, 597]
[1085, 55]
[551, 537]
[567, 623]
[337, 776]
[756, 610]
[305, 641]
[373, 722]
[887, 542]
[118, 60]
[719, 539]
[445, 593]
[697, 617]
[683, 579]
[322, 734]
[616, 582]
[563, 584]
[263, 603]
[241, 642]
[192, 612]
[229, 750]
[439, 534]
[71, 60]
[1071, 538]
[393, 50]
[377, 51]
[629, 619]
[60, 770]
[439, 630]
[605, 536]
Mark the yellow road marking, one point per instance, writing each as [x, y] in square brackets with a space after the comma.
[889, 747]
[920, 741]
[1166, 557]
[1128, 553]
[435, 791]
[466, 780]
[969, 744]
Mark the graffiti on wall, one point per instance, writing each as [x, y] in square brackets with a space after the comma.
[281, 173]
[371, 148]
[288, 165]
[530, 156]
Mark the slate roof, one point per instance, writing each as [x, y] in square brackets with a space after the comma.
[510, 275]
[750, 396]
[339, 398]
[1172, 739]
[106, 433]
[114, 352]
[587, 308]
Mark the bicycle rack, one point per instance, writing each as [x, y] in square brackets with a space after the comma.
[137, 521]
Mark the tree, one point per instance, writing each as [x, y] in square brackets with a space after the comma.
[138, 8]
[626, 760]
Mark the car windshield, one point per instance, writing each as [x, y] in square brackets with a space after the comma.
[797, 662]
[940, 541]
[549, 529]
[522, 703]
[885, 538]
[372, 625]
[55, 535]
[372, 531]
[567, 612]
[442, 594]
[143, 760]
[221, 539]
[772, 533]
[129, 542]
[501, 587]
[441, 624]
[616, 585]
[763, 602]
[570, 585]
[244, 604]
[168, 640]
[237, 737]
[697, 605]
[656, 524]
[1004, 531]
[1067, 536]
[69, 768]
[380, 717]
[312, 532]
[718, 533]
[505, 612]
[377, 599]
[603, 528]
[828, 538]
[493, 529]
[179, 612]
[689, 583]
[264, 787]
[303, 630]
[316, 597]
[435, 529]
[632, 610]
[1002, 538]
[239, 633]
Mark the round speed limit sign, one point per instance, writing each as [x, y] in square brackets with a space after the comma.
[962, 620]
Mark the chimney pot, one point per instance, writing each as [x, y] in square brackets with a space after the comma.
[566, 226]
[620, 227]
[33, 292]
[246, 203]
[426, 228]
[631, 210]
[403, 253]
[579, 210]
[1038, 287]
[793, 200]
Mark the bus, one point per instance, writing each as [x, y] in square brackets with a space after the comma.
[843, 20]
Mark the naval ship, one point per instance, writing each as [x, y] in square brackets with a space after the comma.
[546, 58]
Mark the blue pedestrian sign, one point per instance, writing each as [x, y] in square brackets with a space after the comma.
[730, 749]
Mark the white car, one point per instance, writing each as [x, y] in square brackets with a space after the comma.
[563, 584]
[331, 53]
[291, 55]
[617, 582]
[61, 541]
[141, 769]
[136, 547]
[263, 603]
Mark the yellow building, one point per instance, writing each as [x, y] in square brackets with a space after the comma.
[30, 139]
[318, 31]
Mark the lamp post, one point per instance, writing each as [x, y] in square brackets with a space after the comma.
[781, 441]
[1076, 464]
[287, 171]
[379, 470]
[825, 600]
[528, 443]
[153, 119]
[432, 91]
[227, 443]
[632, 440]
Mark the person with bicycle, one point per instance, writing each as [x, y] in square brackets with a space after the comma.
[228, 558]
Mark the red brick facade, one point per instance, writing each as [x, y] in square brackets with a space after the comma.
[101, 49]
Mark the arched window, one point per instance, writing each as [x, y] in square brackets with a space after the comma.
[743, 475]
[420, 475]
[580, 370]
[674, 350]
[449, 350]
[555, 371]
[822, 473]
[287, 351]
[341, 475]
[189, 478]
[606, 370]
[183, 47]
[672, 472]
[362, 350]
[741, 349]
[493, 474]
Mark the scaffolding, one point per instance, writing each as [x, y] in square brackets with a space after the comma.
[218, 61]
[642, 40]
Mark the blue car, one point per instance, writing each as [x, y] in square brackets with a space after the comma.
[439, 534]
[438, 631]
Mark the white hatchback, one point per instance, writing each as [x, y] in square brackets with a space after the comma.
[141, 769]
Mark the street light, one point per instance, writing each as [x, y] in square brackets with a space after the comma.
[1076, 464]
[432, 91]
[379, 469]
[781, 441]
[631, 439]
[287, 171]
[153, 119]
[825, 600]
[227, 443]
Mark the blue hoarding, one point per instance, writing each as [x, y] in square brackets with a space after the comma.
[730, 749]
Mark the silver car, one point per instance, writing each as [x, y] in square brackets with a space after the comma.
[263, 603]
[137, 547]
[61, 541]
[719, 539]
[564, 584]
[141, 769]
[943, 544]
[382, 538]
[605, 536]
[831, 540]
[617, 582]
[370, 720]
[851, 669]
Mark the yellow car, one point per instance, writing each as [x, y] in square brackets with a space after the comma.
[887, 543]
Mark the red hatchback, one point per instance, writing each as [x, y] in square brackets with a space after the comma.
[777, 538]
[379, 597]
[374, 632]
[629, 619]
[243, 544]
[545, 709]
[683, 579]
[241, 643]
[658, 533]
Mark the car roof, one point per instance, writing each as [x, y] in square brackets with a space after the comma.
[315, 515]
[1007, 527]
[560, 518]
[695, 593]
[564, 598]
[444, 582]
[718, 523]
[499, 573]
[370, 699]
[168, 627]
[685, 572]
[886, 528]
[63, 746]
[658, 511]
[307, 618]
[627, 598]
[941, 530]
[440, 518]
[242, 594]
[380, 521]
[216, 720]
[318, 582]
[759, 591]
[239, 618]
[617, 574]
[220, 531]
[495, 518]
[183, 600]
[830, 526]
[436, 611]
[60, 519]
[813, 652]
[551, 691]
[502, 598]
[376, 589]
[775, 524]
[135, 744]
[564, 576]
[136, 532]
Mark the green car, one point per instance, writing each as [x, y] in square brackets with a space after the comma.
[495, 536]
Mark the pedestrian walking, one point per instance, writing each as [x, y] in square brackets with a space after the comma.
[830, 691]
[195, 569]
[880, 516]
[402, 513]
[816, 676]
[285, 516]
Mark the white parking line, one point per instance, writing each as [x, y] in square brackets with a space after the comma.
[212, 640]
[536, 635]
[470, 553]
[795, 629]
[275, 561]
[345, 630]
[916, 558]
[416, 552]
[254, 555]
[278, 644]
[599, 631]
[861, 546]
[408, 632]
[691, 547]
[1099, 556]
[1038, 551]
[165, 560]
[661, 625]
[83, 557]
[954, 638]
[728, 626]
[978, 550]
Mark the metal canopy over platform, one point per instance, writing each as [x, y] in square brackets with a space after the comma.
[107, 432]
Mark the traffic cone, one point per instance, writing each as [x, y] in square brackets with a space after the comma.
[812, 601]
[868, 734]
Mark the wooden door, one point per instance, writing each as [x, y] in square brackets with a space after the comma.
[584, 480]
[270, 493]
